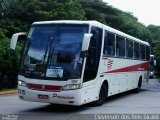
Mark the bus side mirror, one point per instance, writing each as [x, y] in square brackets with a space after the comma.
[14, 39]
[86, 41]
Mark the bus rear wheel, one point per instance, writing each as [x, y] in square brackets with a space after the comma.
[102, 96]
[138, 89]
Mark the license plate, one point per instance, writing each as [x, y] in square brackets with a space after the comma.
[43, 96]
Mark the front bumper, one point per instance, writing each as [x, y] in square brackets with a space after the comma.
[68, 97]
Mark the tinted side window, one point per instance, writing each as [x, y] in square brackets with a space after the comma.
[136, 50]
[120, 46]
[142, 52]
[129, 48]
[147, 53]
[109, 44]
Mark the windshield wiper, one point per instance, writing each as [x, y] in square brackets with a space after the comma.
[50, 60]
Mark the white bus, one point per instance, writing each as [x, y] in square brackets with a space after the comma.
[78, 62]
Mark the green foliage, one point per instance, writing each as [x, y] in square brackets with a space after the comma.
[123, 21]
[2, 35]
[94, 9]
[155, 31]
[20, 14]
[156, 52]
[157, 48]
[155, 34]
[134, 28]
[8, 65]
[38, 10]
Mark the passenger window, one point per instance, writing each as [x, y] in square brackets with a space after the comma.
[109, 44]
[147, 53]
[120, 46]
[142, 51]
[136, 50]
[129, 48]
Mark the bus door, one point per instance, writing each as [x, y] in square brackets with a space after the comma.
[93, 57]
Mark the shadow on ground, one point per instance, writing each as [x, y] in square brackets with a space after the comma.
[54, 108]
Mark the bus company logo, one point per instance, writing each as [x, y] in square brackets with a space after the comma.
[62, 97]
[109, 64]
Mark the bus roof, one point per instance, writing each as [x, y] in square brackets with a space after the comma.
[94, 23]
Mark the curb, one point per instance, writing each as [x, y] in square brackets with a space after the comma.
[8, 92]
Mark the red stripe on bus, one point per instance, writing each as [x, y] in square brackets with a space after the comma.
[139, 67]
[44, 87]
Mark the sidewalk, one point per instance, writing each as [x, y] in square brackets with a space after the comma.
[8, 92]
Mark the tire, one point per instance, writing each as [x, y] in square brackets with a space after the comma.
[102, 96]
[138, 89]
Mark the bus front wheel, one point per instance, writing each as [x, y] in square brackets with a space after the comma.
[102, 96]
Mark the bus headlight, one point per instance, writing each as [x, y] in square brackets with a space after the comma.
[22, 83]
[72, 86]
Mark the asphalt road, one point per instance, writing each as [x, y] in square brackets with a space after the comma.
[145, 102]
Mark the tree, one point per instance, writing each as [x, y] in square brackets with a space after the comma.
[94, 9]
[132, 27]
[156, 52]
[2, 7]
[8, 65]
[155, 30]
[39, 10]
[19, 16]
[123, 21]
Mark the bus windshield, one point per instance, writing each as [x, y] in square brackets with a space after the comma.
[53, 52]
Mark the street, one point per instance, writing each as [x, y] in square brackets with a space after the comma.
[145, 102]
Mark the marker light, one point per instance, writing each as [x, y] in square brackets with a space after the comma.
[72, 86]
[22, 83]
